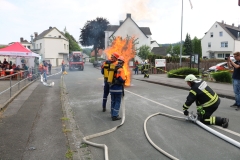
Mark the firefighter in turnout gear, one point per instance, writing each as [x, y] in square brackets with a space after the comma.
[207, 102]
[105, 70]
[117, 89]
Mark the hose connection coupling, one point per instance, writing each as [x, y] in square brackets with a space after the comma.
[192, 117]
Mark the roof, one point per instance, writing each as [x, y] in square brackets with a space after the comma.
[146, 30]
[230, 29]
[159, 51]
[41, 35]
[100, 52]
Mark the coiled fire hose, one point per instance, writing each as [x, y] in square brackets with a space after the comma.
[191, 117]
[85, 139]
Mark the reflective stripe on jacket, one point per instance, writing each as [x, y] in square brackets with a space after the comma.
[119, 76]
[202, 94]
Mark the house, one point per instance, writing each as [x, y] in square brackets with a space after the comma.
[154, 44]
[128, 27]
[51, 45]
[25, 43]
[221, 41]
[162, 51]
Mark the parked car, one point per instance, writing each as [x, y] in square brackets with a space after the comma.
[218, 67]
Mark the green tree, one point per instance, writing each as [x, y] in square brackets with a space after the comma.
[73, 44]
[92, 34]
[197, 48]
[170, 50]
[187, 45]
[144, 51]
[87, 51]
[176, 50]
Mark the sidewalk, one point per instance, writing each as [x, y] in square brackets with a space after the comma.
[31, 126]
[222, 89]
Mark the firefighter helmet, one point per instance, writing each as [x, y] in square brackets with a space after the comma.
[116, 55]
[121, 58]
[190, 78]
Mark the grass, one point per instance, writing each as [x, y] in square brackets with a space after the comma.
[65, 119]
[69, 154]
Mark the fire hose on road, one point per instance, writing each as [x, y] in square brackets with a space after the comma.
[191, 117]
[85, 139]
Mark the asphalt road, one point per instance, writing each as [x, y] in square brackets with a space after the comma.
[182, 139]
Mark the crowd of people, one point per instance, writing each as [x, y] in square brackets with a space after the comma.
[9, 66]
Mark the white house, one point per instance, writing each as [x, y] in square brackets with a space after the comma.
[129, 28]
[221, 41]
[52, 45]
[154, 44]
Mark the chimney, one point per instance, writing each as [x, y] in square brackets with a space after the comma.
[128, 15]
[21, 39]
[222, 21]
[35, 34]
[50, 27]
[239, 26]
[120, 22]
[233, 25]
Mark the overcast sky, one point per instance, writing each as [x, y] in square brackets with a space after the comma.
[21, 18]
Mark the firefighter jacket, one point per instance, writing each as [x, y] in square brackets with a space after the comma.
[202, 94]
[118, 81]
[105, 68]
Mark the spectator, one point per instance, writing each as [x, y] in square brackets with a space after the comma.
[17, 68]
[5, 62]
[136, 67]
[13, 66]
[49, 67]
[236, 78]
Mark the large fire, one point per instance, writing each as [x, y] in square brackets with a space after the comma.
[125, 48]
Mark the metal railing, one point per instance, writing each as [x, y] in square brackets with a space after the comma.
[14, 83]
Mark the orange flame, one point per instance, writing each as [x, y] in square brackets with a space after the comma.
[125, 48]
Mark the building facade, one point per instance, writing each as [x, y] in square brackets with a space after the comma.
[221, 41]
[51, 45]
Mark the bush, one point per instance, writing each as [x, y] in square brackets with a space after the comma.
[182, 72]
[224, 76]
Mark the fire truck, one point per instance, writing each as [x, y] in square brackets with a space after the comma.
[76, 61]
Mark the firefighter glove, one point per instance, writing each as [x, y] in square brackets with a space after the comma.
[186, 112]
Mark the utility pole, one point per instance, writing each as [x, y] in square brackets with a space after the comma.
[181, 37]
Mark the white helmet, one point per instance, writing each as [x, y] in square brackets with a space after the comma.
[190, 78]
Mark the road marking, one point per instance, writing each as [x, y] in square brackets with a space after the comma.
[226, 130]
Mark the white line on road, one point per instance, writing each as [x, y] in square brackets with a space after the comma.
[227, 130]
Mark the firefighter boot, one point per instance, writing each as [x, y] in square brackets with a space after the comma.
[116, 118]
[225, 122]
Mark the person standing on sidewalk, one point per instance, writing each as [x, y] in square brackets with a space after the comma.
[136, 67]
[207, 102]
[104, 70]
[236, 78]
[117, 89]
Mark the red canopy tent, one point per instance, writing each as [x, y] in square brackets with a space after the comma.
[17, 50]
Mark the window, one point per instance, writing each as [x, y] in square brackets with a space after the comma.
[220, 34]
[224, 44]
[29, 47]
[209, 44]
[227, 55]
[211, 34]
[64, 46]
[220, 55]
[37, 46]
[40, 45]
[216, 26]
[59, 36]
